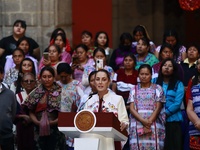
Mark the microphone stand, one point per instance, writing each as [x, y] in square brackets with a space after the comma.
[89, 97]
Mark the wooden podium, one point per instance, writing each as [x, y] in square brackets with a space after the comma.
[101, 137]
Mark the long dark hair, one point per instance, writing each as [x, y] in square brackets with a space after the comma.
[176, 47]
[96, 38]
[55, 32]
[173, 78]
[20, 75]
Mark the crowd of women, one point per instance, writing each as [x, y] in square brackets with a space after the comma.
[153, 90]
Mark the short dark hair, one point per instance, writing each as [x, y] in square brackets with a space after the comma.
[83, 46]
[85, 32]
[19, 49]
[63, 36]
[98, 49]
[22, 22]
[47, 68]
[145, 66]
[57, 48]
[91, 74]
[64, 67]
[132, 57]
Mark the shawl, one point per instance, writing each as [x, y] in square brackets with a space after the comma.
[53, 101]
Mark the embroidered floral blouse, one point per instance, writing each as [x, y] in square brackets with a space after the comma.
[53, 97]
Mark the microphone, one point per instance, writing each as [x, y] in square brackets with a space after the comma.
[89, 97]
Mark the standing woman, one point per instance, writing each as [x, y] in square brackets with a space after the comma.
[193, 93]
[147, 129]
[24, 125]
[44, 104]
[106, 101]
[174, 93]
[102, 40]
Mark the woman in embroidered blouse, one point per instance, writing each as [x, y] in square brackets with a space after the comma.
[99, 54]
[44, 104]
[143, 55]
[102, 40]
[80, 61]
[174, 92]
[147, 113]
[24, 126]
[110, 101]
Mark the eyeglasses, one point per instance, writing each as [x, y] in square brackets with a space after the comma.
[28, 81]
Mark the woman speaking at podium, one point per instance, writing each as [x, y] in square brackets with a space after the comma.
[107, 101]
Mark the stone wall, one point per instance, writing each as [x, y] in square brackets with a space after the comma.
[41, 16]
[129, 13]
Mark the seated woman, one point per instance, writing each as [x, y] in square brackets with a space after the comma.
[193, 110]
[143, 55]
[106, 101]
[147, 119]
[11, 74]
[22, 43]
[43, 104]
[99, 56]
[24, 125]
[81, 61]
